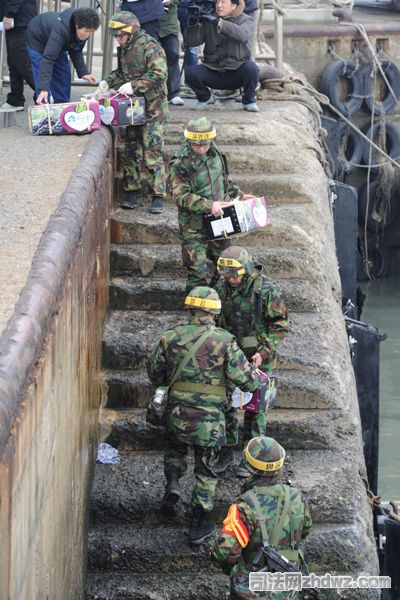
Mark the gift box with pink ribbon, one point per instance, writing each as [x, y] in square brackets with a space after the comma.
[64, 118]
[119, 109]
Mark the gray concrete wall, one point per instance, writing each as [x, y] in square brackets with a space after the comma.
[49, 389]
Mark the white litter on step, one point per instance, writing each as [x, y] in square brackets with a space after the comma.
[107, 455]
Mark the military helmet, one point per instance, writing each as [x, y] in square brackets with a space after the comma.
[204, 298]
[264, 456]
[235, 261]
[123, 21]
[200, 131]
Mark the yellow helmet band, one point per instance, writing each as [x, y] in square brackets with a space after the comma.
[118, 25]
[230, 263]
[203, 303]
[264, 466]
[200, 136]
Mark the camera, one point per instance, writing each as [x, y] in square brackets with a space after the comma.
[198, 8]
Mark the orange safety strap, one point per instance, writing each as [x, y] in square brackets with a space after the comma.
[233, 525]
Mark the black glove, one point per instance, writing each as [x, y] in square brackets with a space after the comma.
[209, 18]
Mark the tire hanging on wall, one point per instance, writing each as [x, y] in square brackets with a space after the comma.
[330, 80]
[392, 136]
[377, 208]
[351, 148]
[389, 99]
[378, 260]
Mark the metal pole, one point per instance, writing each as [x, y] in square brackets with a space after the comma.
[278, 33]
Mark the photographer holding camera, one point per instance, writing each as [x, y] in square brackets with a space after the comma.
[224, 29]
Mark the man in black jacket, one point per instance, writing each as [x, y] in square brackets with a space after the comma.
[51, 37]
[16, 14]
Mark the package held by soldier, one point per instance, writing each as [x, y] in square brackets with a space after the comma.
[240, 217]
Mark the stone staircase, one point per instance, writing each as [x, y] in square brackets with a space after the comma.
[135, 553]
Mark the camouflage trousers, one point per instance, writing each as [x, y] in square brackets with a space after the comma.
[254, 425]
[143, 146]
[205, 457]
[239, 580]
[196, 249]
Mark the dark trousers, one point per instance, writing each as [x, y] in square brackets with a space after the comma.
[19, 65]
[60, 85]
[190, 53]
[170, 43]
[201, 78]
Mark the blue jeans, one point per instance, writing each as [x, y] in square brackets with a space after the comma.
[201, 78]
[60, 84]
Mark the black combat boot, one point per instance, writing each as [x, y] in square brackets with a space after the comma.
[131, 200]
[200, 528]
[172, 494]
[226, 457]
[157, 205]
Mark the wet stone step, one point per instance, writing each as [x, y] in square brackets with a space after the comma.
[300, 428]
[139, 548]
[129, 335]
[140, 227]
[128, 430]
[157, 585]
[131, 491]
[161, 294]
[145, 260]
[287, 188]
[125, 389]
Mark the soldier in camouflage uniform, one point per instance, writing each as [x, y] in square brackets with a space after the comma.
[283, 510]
[198, 358]
[141, 71]
[200, 185]
[254, 311]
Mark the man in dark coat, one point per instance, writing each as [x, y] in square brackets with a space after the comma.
[16, 14]
[148, 12]
[52, 37]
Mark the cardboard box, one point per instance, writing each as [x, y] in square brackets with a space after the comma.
[240, 216]
[120, 109]
[63, 118]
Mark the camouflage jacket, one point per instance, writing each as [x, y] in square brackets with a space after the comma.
[197, 398]
[143, 63]
[198, 181]
[257, 318]
[237, 560]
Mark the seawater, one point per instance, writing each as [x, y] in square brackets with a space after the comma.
[381, 309]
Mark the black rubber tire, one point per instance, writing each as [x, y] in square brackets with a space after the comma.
[354, 148]
[378, 260]
[330, 79]
[392, 142]
[372, 225]
[389, 101]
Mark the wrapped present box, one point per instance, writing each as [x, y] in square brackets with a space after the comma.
[255, 401]
[120, 109]
[240, 216]
[63, 118]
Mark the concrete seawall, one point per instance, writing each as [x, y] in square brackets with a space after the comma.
[50, 355]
